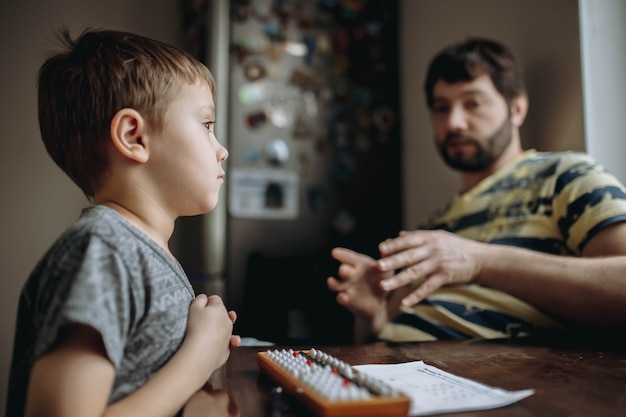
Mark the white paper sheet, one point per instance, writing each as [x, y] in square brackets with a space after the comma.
[434, 391]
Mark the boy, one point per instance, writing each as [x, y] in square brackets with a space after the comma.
[108, 322]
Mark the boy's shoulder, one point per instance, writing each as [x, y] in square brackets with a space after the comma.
[102, 229]
[101, 222]
[98, 240]
[107, 224]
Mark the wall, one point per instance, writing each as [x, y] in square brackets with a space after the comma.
[543, 34]
[38, 201]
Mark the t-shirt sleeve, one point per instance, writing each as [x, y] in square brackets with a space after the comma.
[89, 284]
[587, 199]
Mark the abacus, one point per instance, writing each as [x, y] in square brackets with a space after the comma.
[329, 387]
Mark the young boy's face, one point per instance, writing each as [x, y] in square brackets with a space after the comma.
[186, 156]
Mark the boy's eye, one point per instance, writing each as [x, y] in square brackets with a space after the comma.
[208, 125]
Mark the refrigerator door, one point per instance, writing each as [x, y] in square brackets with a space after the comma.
[308, 107]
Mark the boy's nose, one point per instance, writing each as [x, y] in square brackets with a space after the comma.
[223, 154]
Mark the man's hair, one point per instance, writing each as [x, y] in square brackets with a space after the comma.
[464, 61]
[81, 88]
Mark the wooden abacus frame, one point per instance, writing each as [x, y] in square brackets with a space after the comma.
[388, 406]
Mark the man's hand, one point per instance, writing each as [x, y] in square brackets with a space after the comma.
[358, 289]
[428, 260]
[358, 284]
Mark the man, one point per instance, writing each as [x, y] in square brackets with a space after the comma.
[533, 241]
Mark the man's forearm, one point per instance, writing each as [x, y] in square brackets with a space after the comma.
[587, 290]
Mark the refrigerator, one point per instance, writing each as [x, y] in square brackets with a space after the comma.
[308, 106]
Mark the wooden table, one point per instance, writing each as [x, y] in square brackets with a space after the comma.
[569, 378]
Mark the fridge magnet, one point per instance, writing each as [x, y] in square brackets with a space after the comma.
[256, 119]
[344, 222]
[263, 194]
[280, 116]
[340, 134]
[262, 9]
[318, 197]
[297, 49]
[255, 92]
[252, 155]
[345, 165]
[251, 42]
[362, 142]
[285, 10]
[305, 80]
[341, 41]
[254, 71]
[323, 44]
[306, 166]
[302, 128]
[321, 144]
[273, 31]
[384, 118]
[309, 42]
[311, 107]
[277, 152]
[240, 10]
[282, 105]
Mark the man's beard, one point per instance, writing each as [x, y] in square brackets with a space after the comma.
[484, 157]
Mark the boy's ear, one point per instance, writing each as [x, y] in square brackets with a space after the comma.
[128, 134]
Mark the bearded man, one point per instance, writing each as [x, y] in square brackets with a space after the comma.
[533, 241]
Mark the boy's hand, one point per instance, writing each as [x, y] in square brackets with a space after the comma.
[209, 330]
[235, 340]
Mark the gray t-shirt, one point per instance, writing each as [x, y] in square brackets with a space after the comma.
[105, 273]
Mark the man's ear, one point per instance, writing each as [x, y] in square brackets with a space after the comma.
[519, 109]
[128, 134]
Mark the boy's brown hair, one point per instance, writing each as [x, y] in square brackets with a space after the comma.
[99, 73]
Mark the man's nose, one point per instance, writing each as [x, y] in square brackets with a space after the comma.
[457, 119]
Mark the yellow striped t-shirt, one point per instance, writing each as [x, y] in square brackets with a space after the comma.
[548, 202]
